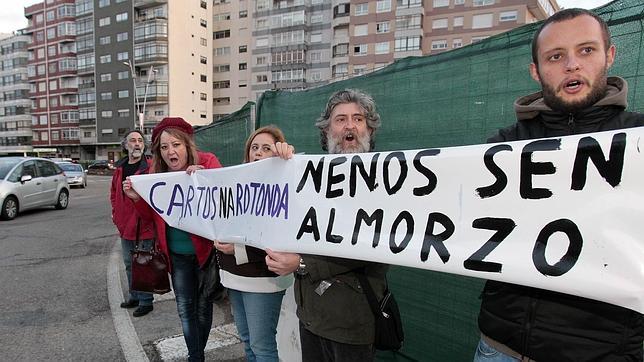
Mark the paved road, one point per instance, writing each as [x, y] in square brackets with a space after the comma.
[61, 280]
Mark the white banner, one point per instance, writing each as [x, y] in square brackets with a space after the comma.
[562, 214]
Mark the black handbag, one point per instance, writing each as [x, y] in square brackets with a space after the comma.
[389, 334]
[210, 285]
[149, 269]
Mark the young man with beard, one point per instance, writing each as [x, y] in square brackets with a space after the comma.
[130, 226]
[336, 323]
[571, 54]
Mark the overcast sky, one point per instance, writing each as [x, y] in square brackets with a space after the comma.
[12, 14]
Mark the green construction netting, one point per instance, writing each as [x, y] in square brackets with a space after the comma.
[226, 138]
[455, 98]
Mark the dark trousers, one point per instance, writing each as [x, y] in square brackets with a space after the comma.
[316, 348]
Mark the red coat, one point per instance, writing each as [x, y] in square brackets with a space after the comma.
[202, 246]
[123, 214]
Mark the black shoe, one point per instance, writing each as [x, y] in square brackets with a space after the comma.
[142, 310]
[130, 304]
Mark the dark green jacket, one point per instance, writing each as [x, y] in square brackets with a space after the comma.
[341, 313]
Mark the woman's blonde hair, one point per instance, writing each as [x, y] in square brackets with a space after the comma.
[272, 130]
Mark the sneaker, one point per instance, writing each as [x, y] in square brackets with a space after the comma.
[130, 304]
[142, 310]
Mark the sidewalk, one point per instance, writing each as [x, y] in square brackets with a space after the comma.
[160, 333]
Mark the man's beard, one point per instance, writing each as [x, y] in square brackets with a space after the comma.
[334, 144]
[135, 153]
[556, 103]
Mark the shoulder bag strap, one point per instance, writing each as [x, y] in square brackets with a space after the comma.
[368, 291]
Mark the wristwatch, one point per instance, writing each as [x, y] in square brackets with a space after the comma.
[301, 269]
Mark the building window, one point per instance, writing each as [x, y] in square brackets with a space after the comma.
[382, 6]
[482, 2]
[103, 3]
[105, 58]
[482, 21]
[104, 40]
[203, 60]
[222, 101]
[203, 23]
[476, 39]
[439, 24]
[204, 4]
[221, 68]
[243, 48]
[407, 43]
[222, 51]
[106, 77]
[222, 34]
[221, 84]
[359, 69]
[459, 2]
[361, 9]
[221, 17]
[123, 113]
[382, 27]
[360, 30]
[124, 93]
[243, 14]
[458, 21]
[121, 17]
[106, 96]
[263, 78]
[242, 66]
[508, 15]
[122, 56]
[125, 74]
[382, 48]
[104, 21]
[203, 78]
[406, 22]
[409, 3]
[106, 114]
[457, 43]
[316, 37]
[203, 96]
[261, 42]
[439, 44]
[121, 36]
[316, 19]
[260, 60]
[441, 3]
[341, 10]
[360, 49]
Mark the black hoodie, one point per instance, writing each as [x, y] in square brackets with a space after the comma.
[550, 326]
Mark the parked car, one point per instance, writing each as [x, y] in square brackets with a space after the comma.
[31, 182]
[101, 167]
[76, 175]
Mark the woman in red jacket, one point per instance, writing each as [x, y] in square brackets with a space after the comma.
[173, 149]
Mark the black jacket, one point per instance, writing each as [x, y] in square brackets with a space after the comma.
[551, 326]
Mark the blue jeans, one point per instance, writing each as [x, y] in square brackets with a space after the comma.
[127, 246]
[487, 353]
[256, 316]
[194, 310]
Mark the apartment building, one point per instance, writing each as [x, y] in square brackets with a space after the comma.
[298, 44]
[15, 118]
[51, 72]
[99, 68]
[266, 44]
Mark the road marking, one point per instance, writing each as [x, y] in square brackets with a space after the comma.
[174, 348]
[129, 340]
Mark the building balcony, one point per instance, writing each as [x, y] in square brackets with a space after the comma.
[341, 20]
[142, 4]
[87, 140]
[91, 122]
[20, 132]
[16, 149]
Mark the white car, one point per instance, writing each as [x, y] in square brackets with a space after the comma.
[30, 182]
[76, 175]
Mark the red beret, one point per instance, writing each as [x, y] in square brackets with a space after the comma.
[171, 122]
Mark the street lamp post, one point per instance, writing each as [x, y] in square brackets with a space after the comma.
[140, 111]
